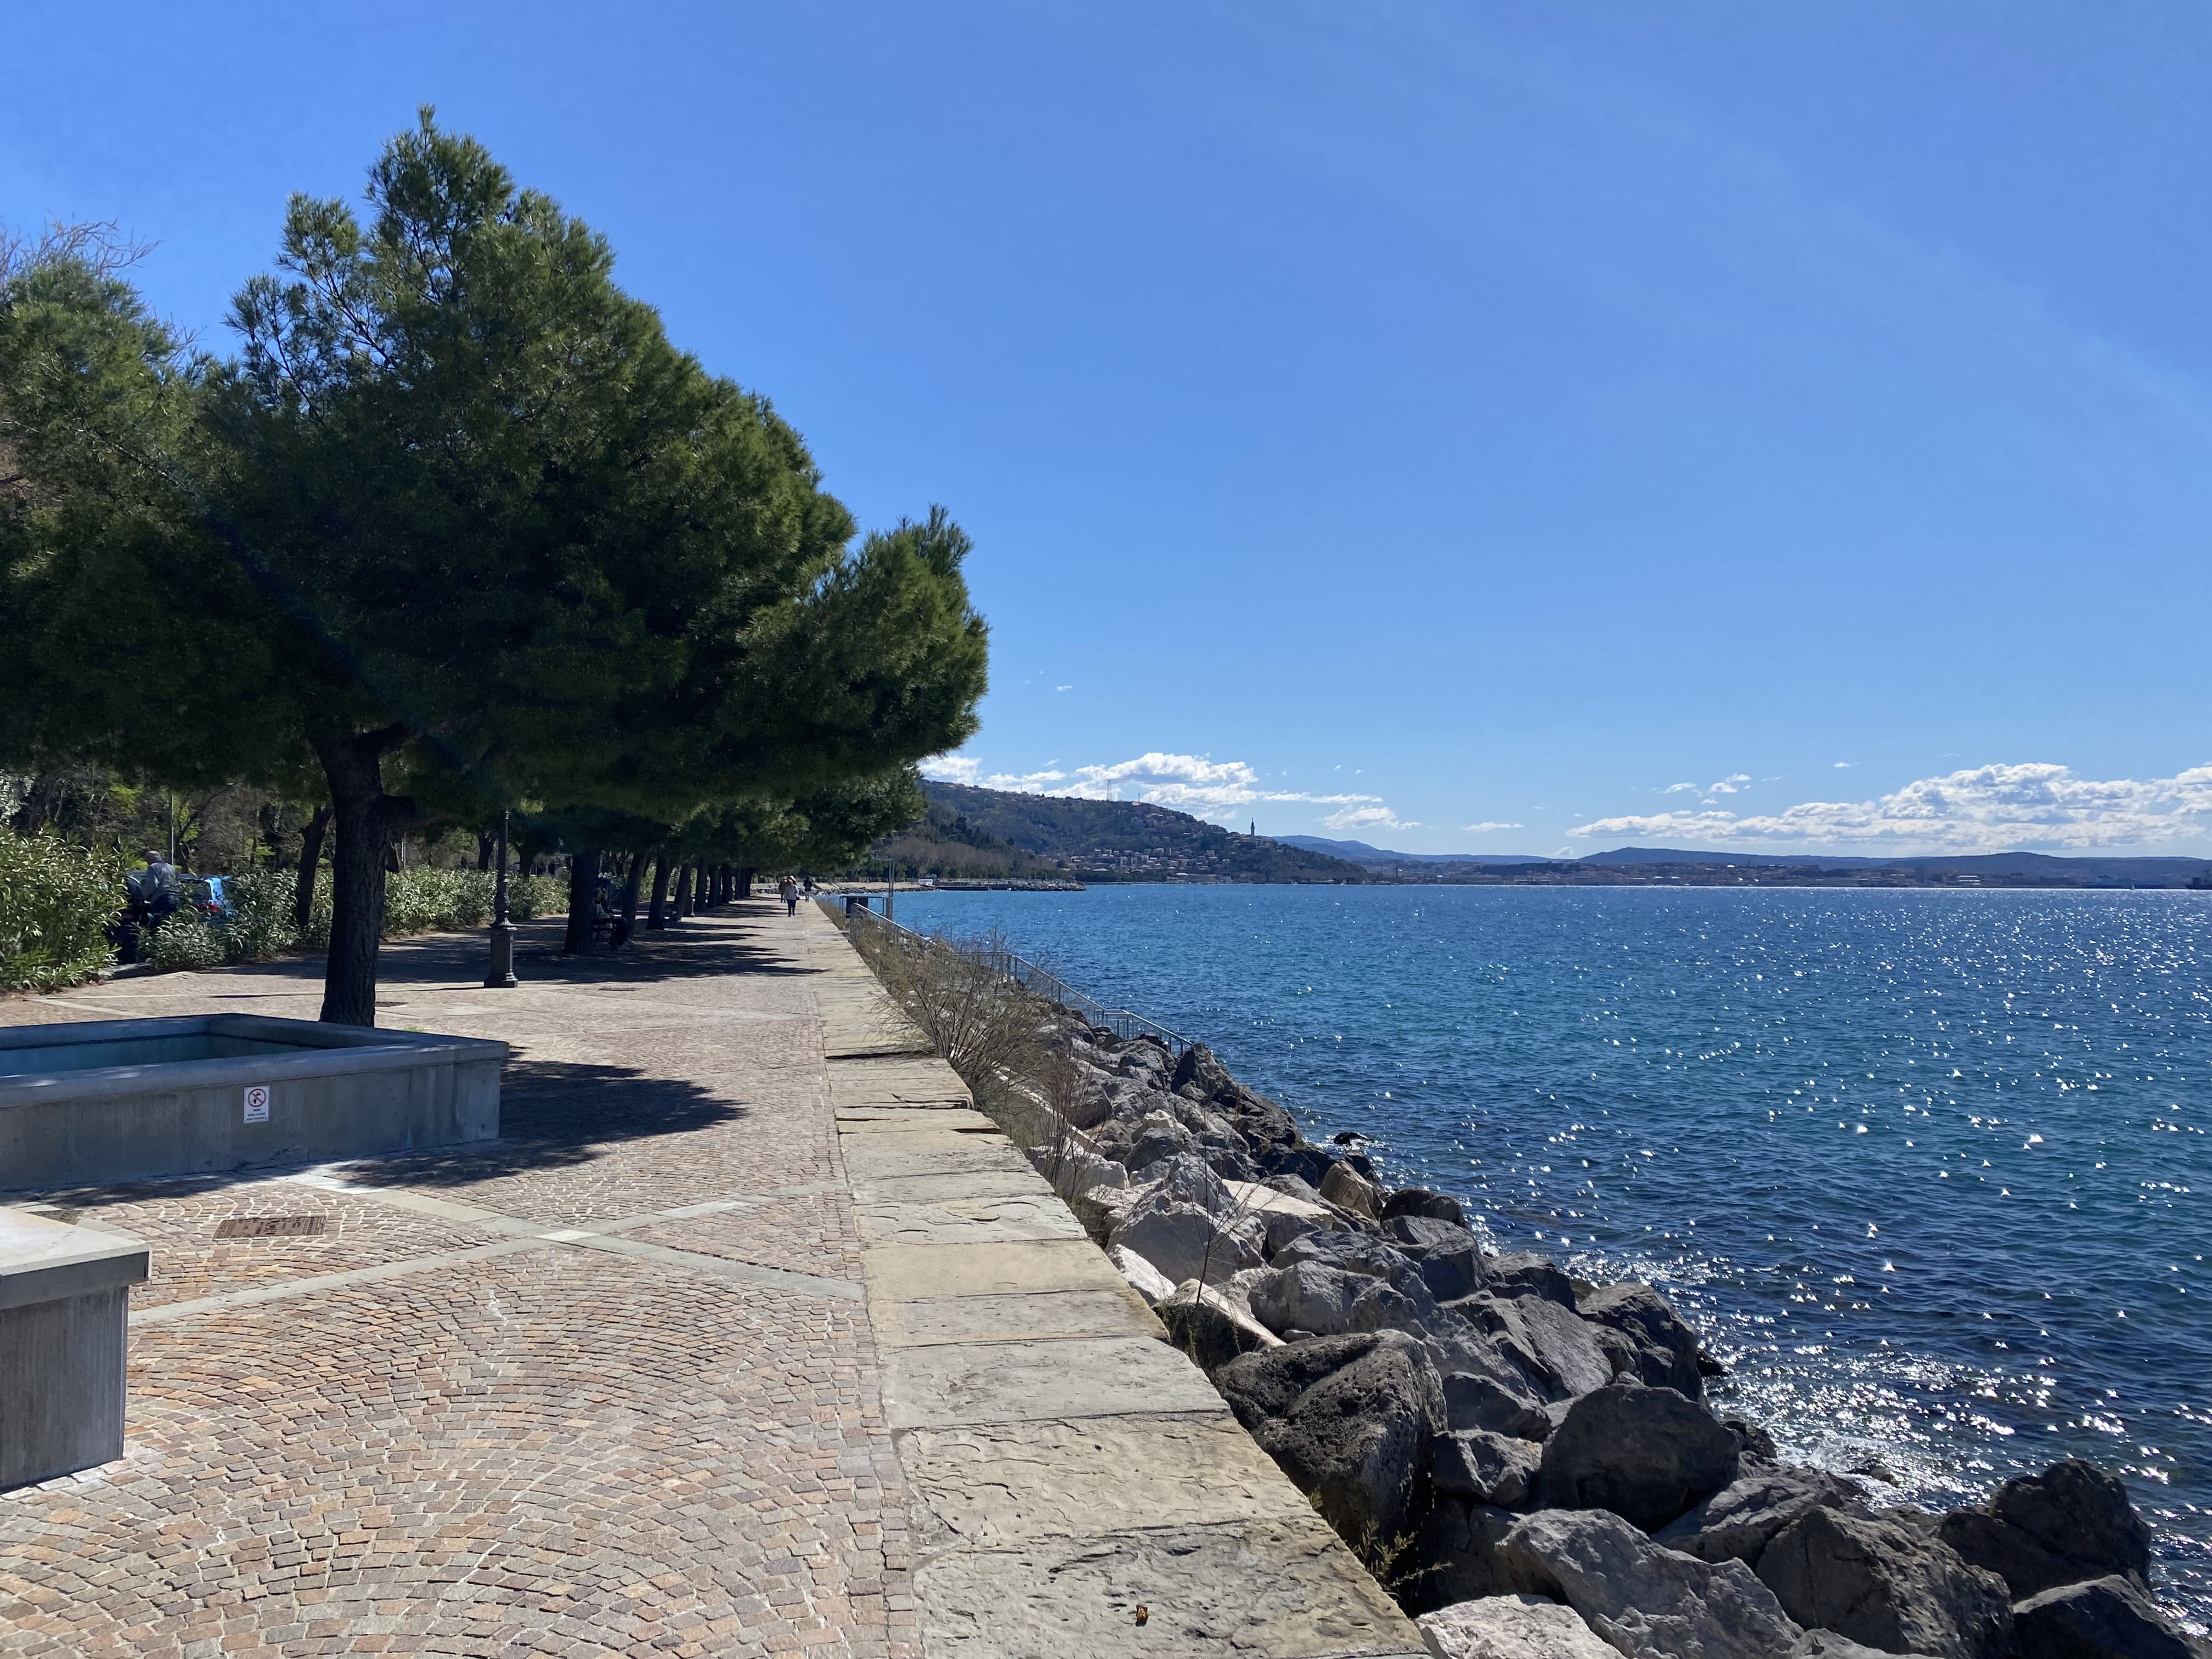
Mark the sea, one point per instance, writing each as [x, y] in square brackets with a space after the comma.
[1929, 1168]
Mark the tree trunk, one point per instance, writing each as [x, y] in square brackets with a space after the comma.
[657, 917]
[311, 855]
[583, 901]
[722, 884]
[687, 891]
[744, 882]
[628, 928]
[484, 847]
[365, 818]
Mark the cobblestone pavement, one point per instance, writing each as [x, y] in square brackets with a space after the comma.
[607, 1385]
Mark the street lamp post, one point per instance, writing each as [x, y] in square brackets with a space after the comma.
[501, 973]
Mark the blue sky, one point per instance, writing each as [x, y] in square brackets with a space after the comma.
[1482, 426]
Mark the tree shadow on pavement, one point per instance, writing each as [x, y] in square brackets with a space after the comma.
[555, 1114]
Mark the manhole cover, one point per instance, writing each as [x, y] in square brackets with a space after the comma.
[270, 1226]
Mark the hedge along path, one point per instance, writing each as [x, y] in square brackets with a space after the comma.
[1064, 1466]
[749, 1336]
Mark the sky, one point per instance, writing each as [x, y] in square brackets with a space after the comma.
[1462, 427]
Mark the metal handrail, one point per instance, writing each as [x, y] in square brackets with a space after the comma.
[1124, 1023]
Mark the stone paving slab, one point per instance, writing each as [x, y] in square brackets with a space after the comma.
[992, 1383]
[1287, 1590]
[1000, 1486]
[1032, 1316]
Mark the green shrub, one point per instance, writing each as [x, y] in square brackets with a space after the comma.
[427, 901]
[187, 940]
[57, 901]
[259, 925]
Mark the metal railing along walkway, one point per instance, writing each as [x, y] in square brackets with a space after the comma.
[1123, 1023]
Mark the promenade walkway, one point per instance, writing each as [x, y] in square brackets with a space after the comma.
[748, 1337]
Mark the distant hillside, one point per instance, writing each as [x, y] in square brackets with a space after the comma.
[1122, 840]
[2088, 871]
[1379, 858]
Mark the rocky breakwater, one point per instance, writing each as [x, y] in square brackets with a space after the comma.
[1529, 1460]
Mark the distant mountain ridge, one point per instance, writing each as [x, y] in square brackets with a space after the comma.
[2123, 870]
[1358, 852]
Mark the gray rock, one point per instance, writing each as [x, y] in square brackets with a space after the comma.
[1146, 1281]
[1522, 1272]
[1159, 1140]
[1183, 1241]
[1556, 1352]
[1645, 1454]
[1449, 1261]
[1887, 1584]
[1482, 1399]
[1285, 1229]
[1827, 1644]
[1738, 1522]
[1485, 1467]
[1355, 1253]
[1510, 1627]
[2071, 1522]
[1643, 1599]
[1456, 1555]
[1755, 1441]
[1666, 1349]
[1349, 1190]
[1420, 1201]
[2108, 1618]
[1350, 1420]
[1308, 1297]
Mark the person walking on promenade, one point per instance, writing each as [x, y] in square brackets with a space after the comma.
[789, 889]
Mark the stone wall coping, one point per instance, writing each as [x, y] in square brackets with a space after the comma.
[47, 1261]
[330, 1050]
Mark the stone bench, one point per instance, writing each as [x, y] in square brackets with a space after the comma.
[64, 1307]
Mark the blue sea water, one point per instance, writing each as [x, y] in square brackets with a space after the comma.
[1930, 1168]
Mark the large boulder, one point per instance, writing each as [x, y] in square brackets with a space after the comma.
[1456, 1554]
[1184, 1241]
[1420, 1200]
[2108, 1618]
[1347, 1189]
[1264, 1126]
[1645, 1454]
[1524, 1272]
[2071, 1522]
[1827, 1644]
[1490, 1397]
[1350, 1420]
[1643, 1599]
[1510, 1627]
[1663, 1349]
[1161, 1137]
[1146, 1281]
[1557, 1354]
[1738, 1522]
[1886, 1583]
[1328, 1302]
[1449, 1261]
[1487, 1469]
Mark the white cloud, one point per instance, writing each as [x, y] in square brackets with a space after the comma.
[1677, 789]
[1735, 783]
[1841, 765]
[1485, 828]
[1368, 817]
[1188, 783]
[2037, 806]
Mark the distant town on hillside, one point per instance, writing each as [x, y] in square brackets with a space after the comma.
[988, 835]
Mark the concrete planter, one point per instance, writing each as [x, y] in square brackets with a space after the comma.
[107, 1101]
[64, 1300]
